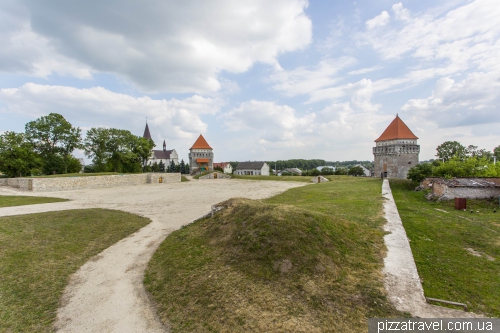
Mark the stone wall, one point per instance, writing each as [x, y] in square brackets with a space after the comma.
[215, 175]
[77, 183]
[449, 193]
[396, 165]
[319, 179]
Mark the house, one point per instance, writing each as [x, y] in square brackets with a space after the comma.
[293, 171]
[252, 168]
[225, 166]
[165, 156]
[471, 188]
[201, 156]
[396, 151]
[326, 166]
[367, 172]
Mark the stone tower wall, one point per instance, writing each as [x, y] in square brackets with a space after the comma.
[395, 159]
[200, 153]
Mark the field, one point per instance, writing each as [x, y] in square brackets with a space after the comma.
[15, 200]
[457, 253]
[40, 251]
[307, 260]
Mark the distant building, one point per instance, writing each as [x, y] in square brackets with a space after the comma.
[470, 188]
[201, 156]
[396, 151]
[326, 166]
[165, 156]
[252, 168]
[367, 172]
[225, 166]
[294, 171]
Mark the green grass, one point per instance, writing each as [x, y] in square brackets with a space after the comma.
[227, 273]
[439, 241]
[13, 200]
[40, 251]
[184, 179]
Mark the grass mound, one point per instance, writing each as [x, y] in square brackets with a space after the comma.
[39, 252]
[18, 200]
[457, 253]
[269, 268]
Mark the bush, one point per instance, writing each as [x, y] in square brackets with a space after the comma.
[420, 172]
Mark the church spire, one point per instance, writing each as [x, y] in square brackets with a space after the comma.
[164, 145]
[147, 135]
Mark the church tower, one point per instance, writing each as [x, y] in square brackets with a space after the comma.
[396, 151]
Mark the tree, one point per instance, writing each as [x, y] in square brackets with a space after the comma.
[54, 138]
[356, 171]
[496, 152]
[161, 166]
[155, 167]
[17, 156]
[172, 167]
[186, 168]
[314, 172]
[95, 147]
[183, 167]
[448, 149]
[327, 171]
[420, 172]
[341, 171]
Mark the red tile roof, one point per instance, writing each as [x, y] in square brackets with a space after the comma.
[221, 165]
[200, 143]
[396, 130]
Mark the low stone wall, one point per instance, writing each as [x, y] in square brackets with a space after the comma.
[215, 175]
[450, 193]
[77, 183]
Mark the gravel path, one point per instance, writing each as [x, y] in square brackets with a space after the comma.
[400, 272]
[107, 294]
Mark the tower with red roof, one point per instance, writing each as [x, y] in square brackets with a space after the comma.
[396, 151]
[201, 156]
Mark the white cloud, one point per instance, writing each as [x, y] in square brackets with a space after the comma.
[365, 70]
[159, 46]
[379, 20]
[304, 80]
[401, 13]
[173, 119]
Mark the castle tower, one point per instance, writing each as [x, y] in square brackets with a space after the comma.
[201, 156]
[396, 151]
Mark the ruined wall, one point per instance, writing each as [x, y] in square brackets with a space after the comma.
[77, 183]
[319, 179]
[449, 193]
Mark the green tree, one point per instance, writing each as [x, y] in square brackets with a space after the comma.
[341, 171]
[172, 167]
[183, 167]
[496, 152]
[155, 167]
[356, 171]
[54, 138]
[161, 165]
[186, 168]
[420, 172]
[95, 147]
[449, 149]
[327, 171]
[17, 156]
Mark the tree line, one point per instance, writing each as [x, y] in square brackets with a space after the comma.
[456, 160]
[48, 142]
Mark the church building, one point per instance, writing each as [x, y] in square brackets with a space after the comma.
[201, 156]
[165, 156]
[396, 151]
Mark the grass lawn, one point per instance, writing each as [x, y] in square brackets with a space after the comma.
[184, 179]
[14, 200]
[40, 251]
[307, 260]
[443, 241]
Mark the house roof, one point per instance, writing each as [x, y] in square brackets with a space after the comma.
[162, 154]
[220, 165]
[147, 135]
[397, 129]
[250, 165]
[201, 143]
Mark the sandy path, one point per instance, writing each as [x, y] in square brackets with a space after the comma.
[106, 294]
[401, 278]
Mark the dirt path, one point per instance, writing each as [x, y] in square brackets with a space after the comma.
[400, 272]
[107, 294]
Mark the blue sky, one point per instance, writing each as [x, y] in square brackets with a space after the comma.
[261, 80]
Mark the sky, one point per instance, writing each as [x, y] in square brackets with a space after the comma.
[261, 80]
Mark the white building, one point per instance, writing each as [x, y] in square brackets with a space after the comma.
[225, 166]
[252, 168]
[367, 172]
